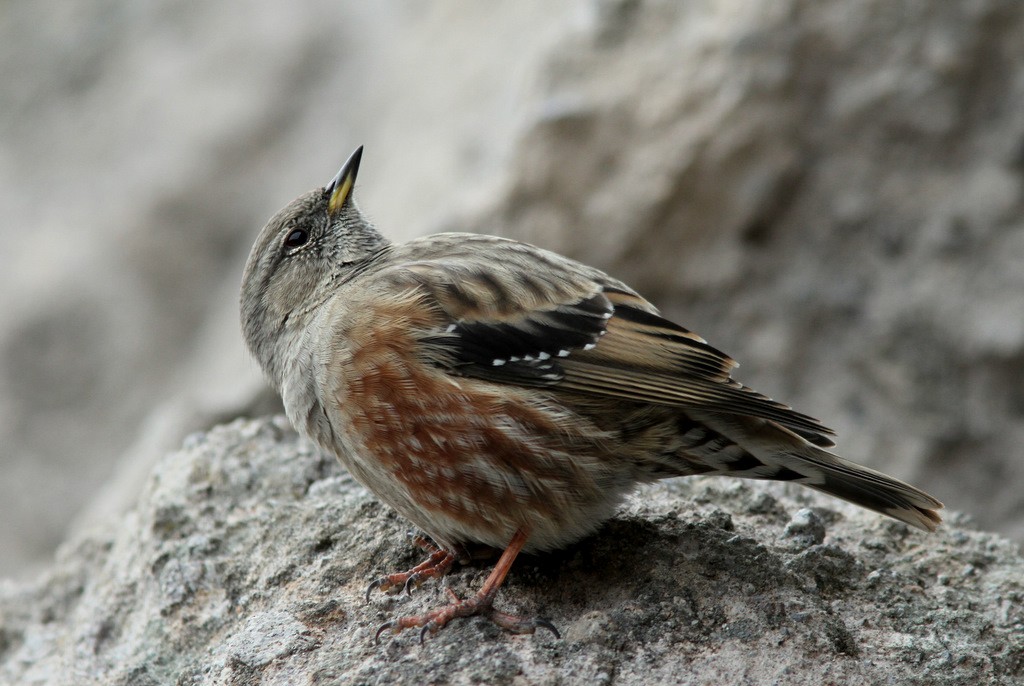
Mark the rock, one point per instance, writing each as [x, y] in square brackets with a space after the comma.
[247, 556]
[805, 528]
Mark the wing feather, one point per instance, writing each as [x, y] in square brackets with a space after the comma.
[575, 329]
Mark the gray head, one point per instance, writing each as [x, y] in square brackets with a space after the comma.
[302, 252]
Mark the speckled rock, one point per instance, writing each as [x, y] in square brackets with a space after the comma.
[248, 554]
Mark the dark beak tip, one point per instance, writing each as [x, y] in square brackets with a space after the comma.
[348, 170]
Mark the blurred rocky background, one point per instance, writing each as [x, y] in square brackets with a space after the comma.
[829, 191]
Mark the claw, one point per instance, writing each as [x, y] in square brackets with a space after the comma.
[545, 624]
[414, 581]
[423, 633]
[374, 585]
[519, 625]
[383, 627]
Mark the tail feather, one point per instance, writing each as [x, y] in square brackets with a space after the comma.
[781, 455]
[878, 492]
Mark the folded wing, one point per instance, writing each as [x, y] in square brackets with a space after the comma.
[577, 330]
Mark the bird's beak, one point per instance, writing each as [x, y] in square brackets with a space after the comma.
[340, 188]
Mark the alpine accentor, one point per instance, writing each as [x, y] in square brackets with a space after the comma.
[493, 392]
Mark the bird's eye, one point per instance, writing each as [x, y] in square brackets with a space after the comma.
[297, 238]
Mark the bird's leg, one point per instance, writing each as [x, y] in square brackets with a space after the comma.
[422, 542]
[438, 564]
[480, 604]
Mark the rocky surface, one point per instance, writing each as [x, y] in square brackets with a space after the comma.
[829, 191]
[246, 559]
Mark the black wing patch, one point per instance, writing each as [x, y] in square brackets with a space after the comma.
[644, 358]
[525, 350]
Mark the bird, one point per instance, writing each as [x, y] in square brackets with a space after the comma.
[497, 394]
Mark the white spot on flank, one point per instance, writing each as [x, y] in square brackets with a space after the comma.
[543, 356]
[606, 315]
[589, 346]
[513, 359]
[528, 358]
[563, 353]
[451, 327]
[498, 363]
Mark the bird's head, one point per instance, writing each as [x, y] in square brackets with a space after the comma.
[300, 256]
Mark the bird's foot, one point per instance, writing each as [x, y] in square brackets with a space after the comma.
[438, 564]
[481, 604]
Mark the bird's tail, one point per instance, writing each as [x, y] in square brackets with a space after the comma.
[780, 455]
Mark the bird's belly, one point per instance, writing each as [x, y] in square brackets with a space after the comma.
[471, 461]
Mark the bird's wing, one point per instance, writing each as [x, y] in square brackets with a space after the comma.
[520, 315]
